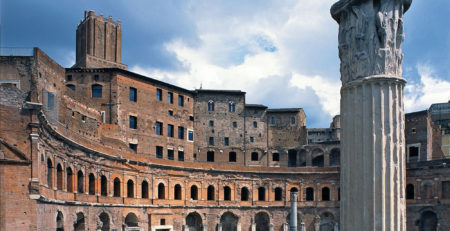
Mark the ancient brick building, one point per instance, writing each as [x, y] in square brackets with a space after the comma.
[97, 147]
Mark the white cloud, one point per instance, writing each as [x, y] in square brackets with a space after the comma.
[289, 42]
[327, 91]
[431, 89]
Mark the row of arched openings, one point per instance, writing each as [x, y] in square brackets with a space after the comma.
[131, 220]
[91, 182]
[194, 192]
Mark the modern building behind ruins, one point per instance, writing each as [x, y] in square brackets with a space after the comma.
[97, 147]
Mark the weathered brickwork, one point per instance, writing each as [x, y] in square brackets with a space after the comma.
[105, 148]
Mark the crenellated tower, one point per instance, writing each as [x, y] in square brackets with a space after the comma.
[99, 42]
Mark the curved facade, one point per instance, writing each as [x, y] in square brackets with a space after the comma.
[102, 148]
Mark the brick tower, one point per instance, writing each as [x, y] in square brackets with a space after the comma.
[99, 42]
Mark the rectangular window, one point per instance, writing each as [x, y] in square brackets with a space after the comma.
[180, 132]
[252, 139]
[254, 156]
[292, 120]
[211, 123]
[158, 94]
[133, 122]
[275, 156]
[50, 101]
[232, 157]
[170, 97]
[255, 124]
[170, 130]
[170, 112]
[190, 135]
[97, 91]
[227, 141]
[133, 147]
[170, 154]
[211, 140]
[272, 120]
[180, 156]
[159, 152]
[191, 118]
[69, 78]
[133, 94]
[446, 189]
[210, 156]
[158, 128]
[234, 124]
[180, 100]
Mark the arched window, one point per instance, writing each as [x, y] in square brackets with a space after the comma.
[177, 192]
[226, 193]
[211, 192]
[294, 189]
[49, 173]
[69, 180]
[410, 192]
[97, 91]
[116, 187]
[131, 220]
[261, 194]
[59, 177]
[91, 184]
[278, 194]
[211, 105]
[325, 194]
[59, 221]
[144, 189]
[161, 191]
[244, 194]
[80, 182]
[231, 107]
[104, 219]
[318, 161]
[428, 221]
[79, 224]
[130, 189]
[103, 186]
[194, 192]
[309, 194]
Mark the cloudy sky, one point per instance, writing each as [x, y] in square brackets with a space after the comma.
[282, 53]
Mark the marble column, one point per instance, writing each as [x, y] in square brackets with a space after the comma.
[293, 221]
[372, 116]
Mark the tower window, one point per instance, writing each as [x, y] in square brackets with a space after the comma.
[252, 139]
[211, 140]
[255, 124]
[226, 141]
[170, 155]
[96, 91]
[133, 146]
[211, 123]
[292, 120]
[272, 120]
[133, 122]
[211, 105]
[190, 135]
[180, 156]
[231, 107]
[133, 94]
[234, 124]
[180, 132]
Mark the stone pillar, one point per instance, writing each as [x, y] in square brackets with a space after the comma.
[270, 227]
[372, 117]
[185, 228]
[293, 221]
[253, 227]
[205, 227]
[336, 227]
[285, 227]
[302, 226]
[238, 227]
[219, 227]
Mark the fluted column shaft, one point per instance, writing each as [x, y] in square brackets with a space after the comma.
[373, 146]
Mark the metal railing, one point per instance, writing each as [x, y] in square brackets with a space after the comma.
[16, 51]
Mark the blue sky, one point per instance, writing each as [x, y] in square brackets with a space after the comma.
[282, 53]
